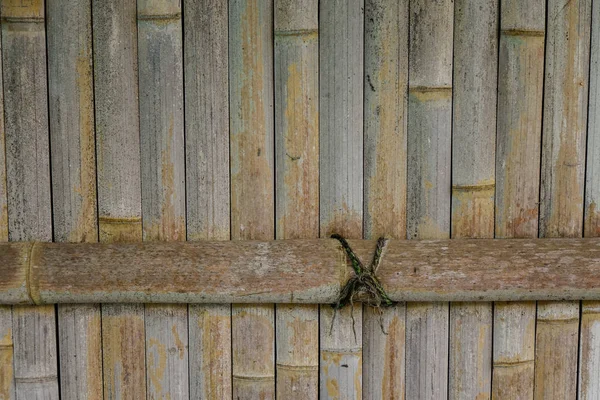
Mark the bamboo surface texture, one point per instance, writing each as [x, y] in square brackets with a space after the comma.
[562, 185]
[385, 116]
[428, 208]
[207, 183]
[71, 111]
[520, 84]
[297, 183]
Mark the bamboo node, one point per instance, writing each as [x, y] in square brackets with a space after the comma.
[364, 286]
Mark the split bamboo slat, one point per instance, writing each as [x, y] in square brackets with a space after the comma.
[341, 55]
[7, 387]
[119, 186]
[160, 60]
[562, 184]
[589, 342]
[252, 178]
[28, 185]
[473, 183]
[385, 115]
[207, 183]
[297, 183]
[520, 88]
[71, 111]
[428, 208]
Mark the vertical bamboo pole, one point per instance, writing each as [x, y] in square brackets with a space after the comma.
[561, 200]
[473, 177]
[119, 191]
[160, 60]
[297, 183]
[207, 171]
[252, 183]
[386, 80]
[520, 84]
[341, 180]
[71, 109]
[428, 193]
[589, 359]
[28, 184]
[7, 384]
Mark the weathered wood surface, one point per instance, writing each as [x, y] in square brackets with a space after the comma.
[562, 184]
[473, 178]
[589, 341]
[341, 55]
[520, 87]
[428, 205]
[252, 183]
[297, 183]
[71, 111]
[28, 185]
[385, 136]
[119, 186]
[160, 59]
[299, 271]
[207, 183]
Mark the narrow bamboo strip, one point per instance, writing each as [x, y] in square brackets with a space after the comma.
[28, 184]
[297, 183]
[428, 204]
[473, 177]
[160, 59]
[562, 184]
[71, 109]
[341, 55]
[386, 80]
[252, 183]
[589, 342]
[520, 84]
[119, 192]
[207, 184]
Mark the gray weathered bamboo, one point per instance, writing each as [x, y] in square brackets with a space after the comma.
[562, 184]
[297, 183]
[341, 55]
[589, 342]
[207, 183]
[520, 84]
[428, 205]
[207, 171]
[71, 111]
[252, 183]
[385, 83]
[160, 59]
[119, 187]
[28, 184]
[473, 177]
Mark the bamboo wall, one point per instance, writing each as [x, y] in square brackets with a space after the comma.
[277, 119]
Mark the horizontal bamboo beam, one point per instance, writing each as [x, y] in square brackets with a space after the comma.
[296, 271]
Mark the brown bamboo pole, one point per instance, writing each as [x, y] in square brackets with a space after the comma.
[341, 79]
[520, 84]
[119, 191]
[589, 342]
[252, 183]
[428, 205]
[71, 109]
[385, 83]
[207, 183]
[7, 384]
[160, 60]
[297, 183]
[28, 184]
[473, 183]
[562, 184]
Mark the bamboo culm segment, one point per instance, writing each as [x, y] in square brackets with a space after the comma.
[296, 271]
